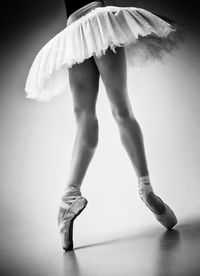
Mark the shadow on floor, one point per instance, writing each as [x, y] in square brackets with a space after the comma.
[173, 252]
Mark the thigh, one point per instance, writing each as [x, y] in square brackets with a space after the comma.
[84, 84]
[113, 70]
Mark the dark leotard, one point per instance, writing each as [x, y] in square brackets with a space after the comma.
[73, 5]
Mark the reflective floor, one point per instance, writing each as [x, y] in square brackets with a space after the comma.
[152, 252]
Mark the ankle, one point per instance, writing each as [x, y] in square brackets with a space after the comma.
[70, 193]
[144, 185]
[144, 179]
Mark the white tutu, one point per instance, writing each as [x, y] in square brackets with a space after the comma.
[145, 36]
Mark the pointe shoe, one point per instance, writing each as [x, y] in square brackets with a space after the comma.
[168, 218]
[66, 216]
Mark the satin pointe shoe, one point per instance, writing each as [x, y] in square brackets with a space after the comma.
[66, 216]
[167, 218]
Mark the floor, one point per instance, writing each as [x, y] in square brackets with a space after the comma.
[153, 252]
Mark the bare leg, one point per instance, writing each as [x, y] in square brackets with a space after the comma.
[112, 68]
[84, 83]
[114, 75]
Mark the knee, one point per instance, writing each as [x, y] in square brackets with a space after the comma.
[123, 114]
[88, 126]
[85, 114]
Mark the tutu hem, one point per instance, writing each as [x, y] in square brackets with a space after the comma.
[145, 36]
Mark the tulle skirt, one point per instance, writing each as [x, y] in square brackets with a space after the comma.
[145, 37]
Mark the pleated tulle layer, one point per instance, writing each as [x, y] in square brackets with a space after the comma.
[145, 36]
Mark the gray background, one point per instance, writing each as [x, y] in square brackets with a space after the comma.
[36, 143]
